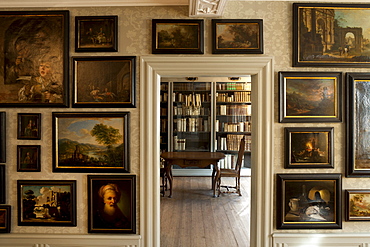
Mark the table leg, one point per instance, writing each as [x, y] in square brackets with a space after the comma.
[168, 170]
[215, 179]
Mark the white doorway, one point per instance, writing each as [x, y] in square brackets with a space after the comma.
[261, 69]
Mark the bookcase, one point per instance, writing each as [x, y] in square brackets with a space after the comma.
[206, 114]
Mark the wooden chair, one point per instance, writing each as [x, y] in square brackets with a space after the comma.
[232, 173]
[163, 181]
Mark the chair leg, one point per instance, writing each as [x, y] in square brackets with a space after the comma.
[238, 186]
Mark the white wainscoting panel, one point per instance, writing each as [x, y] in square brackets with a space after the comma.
[321, 240]
[69, 240]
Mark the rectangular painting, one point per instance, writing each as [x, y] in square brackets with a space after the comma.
[310, 97]
[309, 147]
[309, 201]
[331, 35]
[357, 205]
[96, 33]
[35, 66]
[357, 134]
[2, 137]
[2, 185]
[237, 36]
[104, 81]
[5, 218]
[28, 158]
[171, 36]
[29, 126]
[91, 142]
[112, 203]
[46, 202]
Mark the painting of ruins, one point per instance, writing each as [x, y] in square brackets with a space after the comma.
[331, 35]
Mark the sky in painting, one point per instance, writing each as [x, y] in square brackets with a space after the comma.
[354, 18]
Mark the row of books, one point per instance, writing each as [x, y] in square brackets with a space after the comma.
[179, 143]
[234, 86]
[190, 111]
[232, 141]
[228, 162]
[191, 125]
[233, 127]
[235, 110]
[192, 86]
[234, 97]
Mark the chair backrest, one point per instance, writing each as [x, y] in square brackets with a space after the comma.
[239, 161]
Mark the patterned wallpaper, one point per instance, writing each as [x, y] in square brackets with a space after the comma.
[135, 39]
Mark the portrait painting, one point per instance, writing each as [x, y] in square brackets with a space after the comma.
[309, 201]
[104, 81]
[46, 202]
[5, 218]
[309, 147]
[34, 60]
[90, 142]
[357, 136]
[237, 36]
[170, 36]
[96, 33]
[29, 126]
[332, 35]
[310, 97]
[112, 203]
[28, 158]
[357, 205]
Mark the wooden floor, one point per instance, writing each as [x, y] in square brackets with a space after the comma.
[194, 218]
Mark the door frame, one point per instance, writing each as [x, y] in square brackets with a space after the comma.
[152, 68]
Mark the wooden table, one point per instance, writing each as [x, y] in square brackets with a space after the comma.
[191, 159]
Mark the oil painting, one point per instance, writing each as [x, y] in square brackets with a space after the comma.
[28, 158]
[309, 147]
[331, 35]
[34, 60]
[310, 96]
[5, 218]
[90, 142]
[357, 205]
[309, 201]
[46, 202]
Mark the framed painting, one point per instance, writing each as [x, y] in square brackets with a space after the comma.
[2, 137]
[28, 158]
[112, 203]
[5, 218]
[309, 201]
[357, 205]
[310, 97]
[29, 126]
[46, 202]
[2, 185]
[309, 147]
[104, 81]
[331, 35]
[171, 36]
[237, 36]
[358, 111]
[35, 66]
[91, 142]
[96, 33]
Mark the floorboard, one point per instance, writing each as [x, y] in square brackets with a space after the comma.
[194, 218]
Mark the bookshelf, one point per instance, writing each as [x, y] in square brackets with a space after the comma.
[206, 114]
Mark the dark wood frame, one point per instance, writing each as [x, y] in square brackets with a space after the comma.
[349, 194]
[305, 81]
[305, 57]
[127, 187]
[197, 49]
[93, 75]
[253, 49]
[2, 184]
[84, 23]
[309, 160]
[36, 158]
[354, 123]
[2, 137]
[293, 186]
[7, 218]
[23, 120]
[79, 161]
[22, 27]
[68, 204]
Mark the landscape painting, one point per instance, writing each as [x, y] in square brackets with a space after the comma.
[90, 142]
[331, 35]
[358, 205]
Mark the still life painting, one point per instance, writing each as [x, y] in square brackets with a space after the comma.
[90, 142]
[46, 202]
[309, 201]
